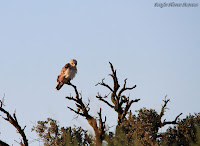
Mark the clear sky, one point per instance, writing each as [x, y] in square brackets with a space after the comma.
[158, 49]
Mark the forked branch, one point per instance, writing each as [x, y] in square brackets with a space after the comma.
[102, 126]
[104, 84]
[115, 79]
[83, 110]
[125, 88]
[102, 99]
[164, 107]
[120, 103]
[172, 122]
[13, 120]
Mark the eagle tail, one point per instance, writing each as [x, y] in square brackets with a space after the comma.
[60, 84]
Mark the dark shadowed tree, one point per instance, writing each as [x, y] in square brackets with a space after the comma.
[3, 143]
[52, 135]
[120, 103]
[186, 132]
[13, 121]
[144, 127]
[98, 125]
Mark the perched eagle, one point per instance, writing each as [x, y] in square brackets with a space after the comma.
[67, 73]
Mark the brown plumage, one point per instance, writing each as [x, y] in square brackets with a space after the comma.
[67, 73]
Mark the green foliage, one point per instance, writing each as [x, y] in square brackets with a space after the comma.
[121, 138]
[140, 129]
[143, 129]
[52, 135]
[186, 132]
[197, 143]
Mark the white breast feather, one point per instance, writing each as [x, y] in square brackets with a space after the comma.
[70, 74]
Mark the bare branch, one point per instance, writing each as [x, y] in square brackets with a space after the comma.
[101, 98]
[83, 110]
[101, 125]
[2, 101]
[115, 80]
[71, 98]
[128, 105]
[171, 122]
[178, 117]
[164, 106]
[14, 122]
[112, 68]
[104, 84]
[117, 99]
[125, 88]
[76, 111]
[75, 89]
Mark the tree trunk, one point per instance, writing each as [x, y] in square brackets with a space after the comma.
[92, 121]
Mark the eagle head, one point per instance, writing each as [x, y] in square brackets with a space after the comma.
[73, 62]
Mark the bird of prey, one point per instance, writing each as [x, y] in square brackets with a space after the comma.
[67, 73]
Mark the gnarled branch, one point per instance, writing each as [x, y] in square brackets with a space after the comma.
[104, 84]
[125, 88]
[121, 103]
[114, 76]
[102, 126]
[13, 120]
[171, 122]
[164, 107]
[127, 107]
[101, 98]
[83, 110]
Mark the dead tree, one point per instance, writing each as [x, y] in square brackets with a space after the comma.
[164, 107]
[161, 123]
[120, 103]
[83, 110]
[13, 120]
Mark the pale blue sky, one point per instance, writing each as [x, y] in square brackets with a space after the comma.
[156, 49]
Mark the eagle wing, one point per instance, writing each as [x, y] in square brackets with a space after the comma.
[62, 73]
